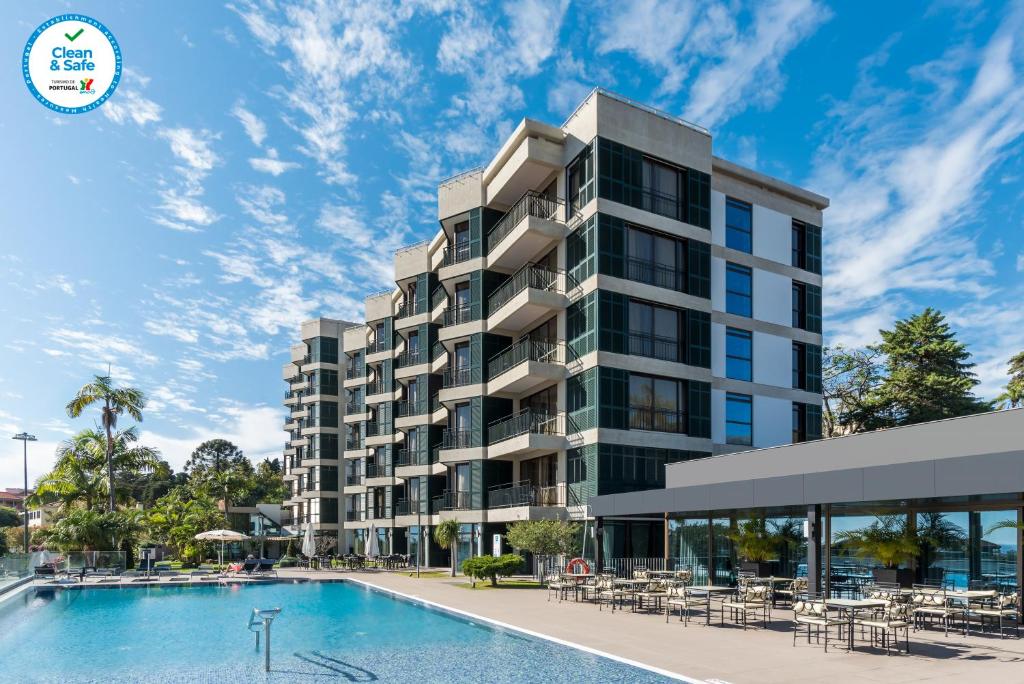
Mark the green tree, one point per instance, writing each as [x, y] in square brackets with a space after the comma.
[82, 529]
[147, 486]
[114, 401]
[177, 517]
[77, 477]
[446, 535]
[927, 374]
[848, 376]
[1013, 394]
[489, 567]
[215, 455]
[544, 538]
[9, 517]
[889, 540]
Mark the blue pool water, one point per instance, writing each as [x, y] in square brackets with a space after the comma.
[327, 632]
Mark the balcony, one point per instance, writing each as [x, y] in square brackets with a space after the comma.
[377, 387]
[406, 409]
[657, 420]
[378, 470]
[652, 273]
[655, 347]
[526, 365]
[457, 376]
[353, 372]
[457, 439]
[411, 507]
[437, 297]
[354, 480]
[457, 314]
[455, 254]
[406, 458]
[353, 516]
[411, 357]
[524, 493]
[354, 444]
[452, 501]
[526, 432]
[378, 346]
[531, 293]
[353, 408]
[408, 309]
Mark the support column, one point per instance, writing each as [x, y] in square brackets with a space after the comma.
[711, 551]
[599, 544]
[828, 550]
[813, 548]
[1020, 548]
[665, 543]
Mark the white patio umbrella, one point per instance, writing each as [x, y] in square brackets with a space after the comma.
[308, 542]
[372, 547]
[221, 536]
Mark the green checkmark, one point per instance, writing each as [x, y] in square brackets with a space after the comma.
[72, 38]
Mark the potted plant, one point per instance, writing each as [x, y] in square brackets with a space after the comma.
[756, 545]
[888, 540]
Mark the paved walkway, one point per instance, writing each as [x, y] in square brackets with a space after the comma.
[725, 654]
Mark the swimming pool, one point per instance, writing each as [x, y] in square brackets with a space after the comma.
[326, 632]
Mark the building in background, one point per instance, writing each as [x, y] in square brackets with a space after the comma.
[604, 298]
[13, 497]
[312, 454]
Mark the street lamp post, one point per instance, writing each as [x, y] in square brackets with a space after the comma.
[25, 439]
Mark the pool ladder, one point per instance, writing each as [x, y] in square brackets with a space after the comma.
[261, 619]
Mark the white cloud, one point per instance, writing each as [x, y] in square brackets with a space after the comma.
[99, 347]
[129, 105]
[1020, 263]
[186, 335]
[254, 126]
[271, 164]
[74, 179]
[186, 210]
[192, 147]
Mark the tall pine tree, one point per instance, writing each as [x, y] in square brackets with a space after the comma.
[927, 374]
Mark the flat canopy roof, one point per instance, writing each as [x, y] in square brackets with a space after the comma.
[969, 456]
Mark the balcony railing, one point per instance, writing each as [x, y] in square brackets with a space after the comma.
[520, 493]
[524, 422]
[411, 507]
[411, 309]
[411, 357]
[415, 457]
[530, 204]
[353, 444]
[660, 203]
[523, 351]
[353, 479]
[406, 408]
[457, 376]
[435, 403]
[354, 407]
[378, 470]
[452, 501]
[529, 276]
[353, 516]
[437, 296]
[643, 271]
[458, 314]
[455, 254]
[437, 350]
[657, 420]
[377, 387]
[378, 345]
[353, 372]
[456, 439]
[375, 429]
[654, 346]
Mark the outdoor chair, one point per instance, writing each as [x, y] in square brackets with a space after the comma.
[999, 610]
[751, 598]
[885, 628]
[810, 611]
[557, 583]
[264, 568]
[608, 592]
[653, 594]
[931, 603]
[789, 592]
[679, 598]
[684, 576]
[640, 573]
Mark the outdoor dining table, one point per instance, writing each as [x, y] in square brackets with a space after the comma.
[850, 607]
[962, 596]
[579, 580]
[709, 590]
[632, 587]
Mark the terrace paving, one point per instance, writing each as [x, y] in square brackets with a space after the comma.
[715, 653]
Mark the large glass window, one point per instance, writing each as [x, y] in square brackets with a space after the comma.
[798, 248]
[580, 180]
[739, 288]
[654, 331]
[799, 305]
[738, 225]
[739, 419]
[799, 422]
[799, 366]
[655, 259]
[739, 354]
[661, 189]
[657, 404]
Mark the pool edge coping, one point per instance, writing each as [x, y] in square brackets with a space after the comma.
[523, 630]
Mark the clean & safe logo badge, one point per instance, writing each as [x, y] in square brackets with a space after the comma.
[71, 63]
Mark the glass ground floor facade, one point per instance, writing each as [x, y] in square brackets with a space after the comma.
[960, 541]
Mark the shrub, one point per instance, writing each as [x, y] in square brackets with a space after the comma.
[287, 562]
[489, 567]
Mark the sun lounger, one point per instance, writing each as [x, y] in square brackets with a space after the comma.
[264, 568]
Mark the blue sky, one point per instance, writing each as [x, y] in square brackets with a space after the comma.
[260, 162]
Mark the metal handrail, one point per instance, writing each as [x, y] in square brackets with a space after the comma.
[410, 357]
[653, 273]
[404, 311]
[408, 408]
[654, 346]
[525, 421]
[522, 351]
[437, 296]
[657, 420]
[532, 203]
[378, 470]
[457, 314]
[452, 438]
[453, 501]
[457, 376]
[455, 254]
[529, 276]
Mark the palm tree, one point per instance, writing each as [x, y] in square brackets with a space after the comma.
[447, 537]
[115, 401]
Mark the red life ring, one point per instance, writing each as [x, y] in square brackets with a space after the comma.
[577, 562]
